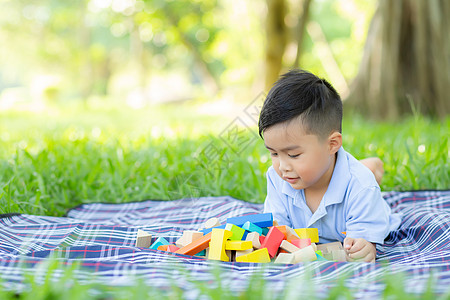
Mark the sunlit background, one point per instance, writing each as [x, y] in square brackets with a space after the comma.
[143, 53]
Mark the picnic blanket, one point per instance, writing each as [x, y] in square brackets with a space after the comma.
[101, 237]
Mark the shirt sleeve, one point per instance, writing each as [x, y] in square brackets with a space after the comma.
[367, 216]
[276, 201]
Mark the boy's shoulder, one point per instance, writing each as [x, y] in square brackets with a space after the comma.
[359, 176]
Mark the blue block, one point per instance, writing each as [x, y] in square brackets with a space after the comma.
[320, 257]
[261, 220]
[249, 226]
[265, 231]
[201, 253]
[159, 242]
[245, 235]
[208, 230]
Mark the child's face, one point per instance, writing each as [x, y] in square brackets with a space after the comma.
[303, 160]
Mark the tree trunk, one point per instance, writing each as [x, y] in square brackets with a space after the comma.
[405, 66]
[276, 36]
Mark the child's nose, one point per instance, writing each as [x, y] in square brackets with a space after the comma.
[284, 166]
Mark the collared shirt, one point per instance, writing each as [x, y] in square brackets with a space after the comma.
[352, 204]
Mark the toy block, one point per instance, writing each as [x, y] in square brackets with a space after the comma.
[261, 239]
[217, 244]
[159, 241]
[243, 252]
[238, 245]
[321, 258]
[261, 220]
[258, 256]
[196, 246]
[208, 230]
[213, 222]
[231, 254]
[319, 252]
[305, 254]
[275, 223]
[163, 247]
[254, 238]
[339, 255]
[311, 233]
[285, 245]
[143, 239]
[188, 237]
[201, 253]
[300, 243]
[272, 241]
[249, 226]
[237, 232]
[283, 230]
[265, 230]
[328, 247]
[285, 258]
[172, 248]
[282, 251]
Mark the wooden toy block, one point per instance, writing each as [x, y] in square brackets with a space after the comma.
[238, 245]
[328, 247]
[339, 255]
[261, 239]
[265, 230]
[172, 248]
[285, 245]
[305, 254]
[231, 255]
[217, 244]
[243, 252]
[275, 223]
[285, 258]
[237, 232]
[300, 243]
[254, 237]
[272, 241]
[208, 230]
[201, 253]
[159, 241]
[196, 246]
[213, 222]
[314, 246]
[143, 239]
[282, 251]
[283, 230]
[321, 258]
[258, 256]
[308, 233]
[163, 247]
[249, 226]
[188, 237]
[261, 220]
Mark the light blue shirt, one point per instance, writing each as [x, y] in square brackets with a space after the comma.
[351, 204]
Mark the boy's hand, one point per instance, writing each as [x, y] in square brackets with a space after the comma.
[360, 250]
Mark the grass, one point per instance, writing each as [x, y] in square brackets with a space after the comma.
[57, 159]
[51, 162]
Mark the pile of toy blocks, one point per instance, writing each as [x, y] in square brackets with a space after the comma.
[253, 238]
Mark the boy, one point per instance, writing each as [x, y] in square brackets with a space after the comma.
[313, 181]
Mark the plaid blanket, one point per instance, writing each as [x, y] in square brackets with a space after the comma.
[101, 238]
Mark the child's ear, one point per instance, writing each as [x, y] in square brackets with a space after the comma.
[334, 142]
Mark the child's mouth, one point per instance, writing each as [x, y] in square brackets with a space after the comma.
[291, 179]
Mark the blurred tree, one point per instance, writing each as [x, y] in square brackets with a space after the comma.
[406, 61]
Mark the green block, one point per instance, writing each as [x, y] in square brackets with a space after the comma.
[265, 230]
[237, 231]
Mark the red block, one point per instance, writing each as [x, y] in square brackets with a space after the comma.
[172, 248]
[301, 243]
[272, 241]
[261, 239]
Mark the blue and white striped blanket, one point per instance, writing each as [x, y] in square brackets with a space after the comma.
[101, 238]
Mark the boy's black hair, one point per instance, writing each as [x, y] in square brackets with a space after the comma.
[302, 94]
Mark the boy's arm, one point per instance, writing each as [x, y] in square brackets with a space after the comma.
[360, 250]
[276, 202]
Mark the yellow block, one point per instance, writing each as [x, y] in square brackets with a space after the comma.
[308, 233]
[238, 245]
[217, 244]
[258, 256]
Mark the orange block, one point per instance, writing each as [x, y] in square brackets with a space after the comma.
[163, 247]
[196, 246]
[172, 248]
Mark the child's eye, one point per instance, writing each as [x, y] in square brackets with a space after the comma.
[294, 156]
[273, 154]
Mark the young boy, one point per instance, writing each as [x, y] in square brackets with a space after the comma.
[313, 181]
